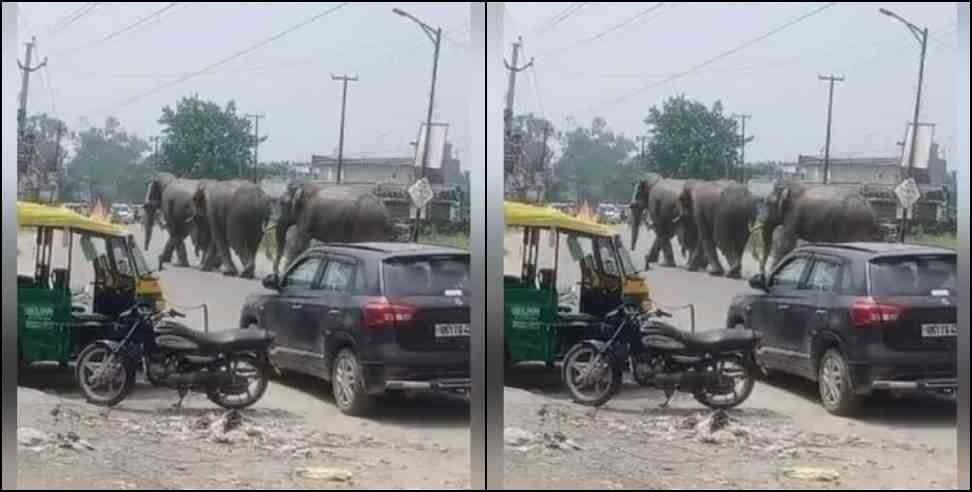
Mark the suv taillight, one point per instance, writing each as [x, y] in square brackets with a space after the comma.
[867, 312]
[379, 312]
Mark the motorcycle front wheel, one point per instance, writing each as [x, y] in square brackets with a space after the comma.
[735, 371]
[250, 380]
[591, 378]
[104, 380]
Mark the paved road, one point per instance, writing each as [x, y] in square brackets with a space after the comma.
[931, 424]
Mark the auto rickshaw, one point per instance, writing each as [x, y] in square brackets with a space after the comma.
[53, 325]
[540, 325]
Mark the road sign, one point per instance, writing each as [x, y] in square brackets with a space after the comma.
[908, 193]
[421, 193]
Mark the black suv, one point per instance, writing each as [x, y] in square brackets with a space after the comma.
[370, 317]
[858, 317]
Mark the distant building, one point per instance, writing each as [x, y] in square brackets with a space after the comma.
[392, 170]
[872, 170]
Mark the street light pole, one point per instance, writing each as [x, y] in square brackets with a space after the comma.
[435, 35]
[921, 35]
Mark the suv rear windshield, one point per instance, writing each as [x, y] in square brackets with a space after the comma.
[426, 276]
[914, 276]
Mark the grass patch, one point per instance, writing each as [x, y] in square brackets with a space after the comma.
[450, 239]
[941, 240]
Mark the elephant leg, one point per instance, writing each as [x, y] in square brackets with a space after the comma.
[669, 254]
[211, 260]
[247, 260]
[786, 243]
[711, 253]
[166, 256]
[738, 253]
[653, 253]
[296, 247]
[182, 254]
[229, 266]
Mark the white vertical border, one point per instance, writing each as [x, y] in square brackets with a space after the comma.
[492, 214]
[962, 166]
[9, 179]
[479, 464]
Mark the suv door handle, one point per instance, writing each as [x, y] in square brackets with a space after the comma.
[822, 312]
[783, 307]
[334, 312]
[296, 306]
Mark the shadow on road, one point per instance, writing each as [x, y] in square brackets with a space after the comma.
[424, 410]
[880, 409]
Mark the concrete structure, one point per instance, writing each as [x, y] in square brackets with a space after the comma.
[873, 170]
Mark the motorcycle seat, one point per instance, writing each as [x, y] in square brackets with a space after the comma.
[721, 340]
[712, 341]
[236, 340]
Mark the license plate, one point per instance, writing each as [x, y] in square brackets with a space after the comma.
[447, 330]
[939, 330]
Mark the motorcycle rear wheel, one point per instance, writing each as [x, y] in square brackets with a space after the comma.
[744, 376]
[607, 383]
[257, 376]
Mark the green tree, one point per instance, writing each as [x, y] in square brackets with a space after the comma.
[689, 140]
[104, 158]
[594, 162]
[51, 136]
[202, 140]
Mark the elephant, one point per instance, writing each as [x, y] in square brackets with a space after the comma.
[333, 214]
[816, 213]
[659, 198]
[722, 214]
[173, 197]
[234, 214]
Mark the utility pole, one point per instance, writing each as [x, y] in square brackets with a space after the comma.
[641, 156]
[256, 142]
[434, 35]
[921, 35]
[542, 168]
[830, 108]
[24, 154]
[344, 97]
[742, 145]
[56, 166]
[511, 90]
[155, 155]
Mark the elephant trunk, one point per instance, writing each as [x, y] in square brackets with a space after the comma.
[637, 213]
[280, 236]
[767, 232]
[149, 218]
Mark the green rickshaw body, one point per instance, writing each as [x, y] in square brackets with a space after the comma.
[534, 328]
[48, 329]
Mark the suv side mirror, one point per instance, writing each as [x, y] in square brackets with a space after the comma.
[272, 281]
[758, 282]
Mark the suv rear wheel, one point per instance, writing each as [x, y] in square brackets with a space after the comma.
[836, 390]
[347, 384]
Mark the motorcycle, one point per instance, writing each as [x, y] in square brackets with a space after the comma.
[718, 367]
[231, 367]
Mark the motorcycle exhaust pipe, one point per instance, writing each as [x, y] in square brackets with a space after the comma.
[689, 382]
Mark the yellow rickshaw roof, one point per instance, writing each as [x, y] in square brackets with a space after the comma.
[36, 215]
[523, 215]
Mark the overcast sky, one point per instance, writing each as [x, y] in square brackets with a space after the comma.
[289, 79]
[774, 80]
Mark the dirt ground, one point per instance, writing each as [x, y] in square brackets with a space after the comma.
[551, 444]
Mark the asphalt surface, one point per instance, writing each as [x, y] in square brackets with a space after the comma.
[929, 423]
